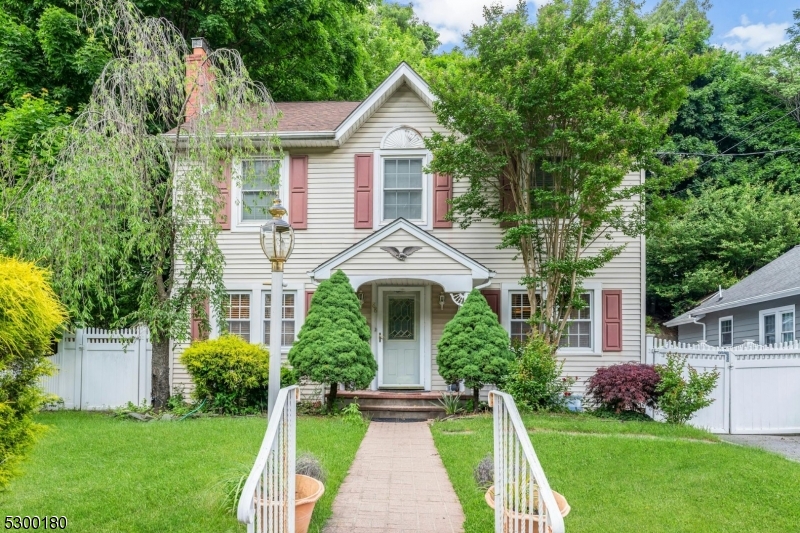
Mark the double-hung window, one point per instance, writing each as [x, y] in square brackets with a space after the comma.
[287, 318]
[403, 188]
[726, 331]
[578, 331]
[521, 313]
[237, 314]
[777, 325]
[259, 188]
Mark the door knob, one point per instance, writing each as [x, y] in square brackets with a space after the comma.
[380, 336]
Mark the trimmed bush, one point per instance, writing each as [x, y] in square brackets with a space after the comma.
[474, 347]
[231, 374]
[30, 317]
[333, 344]
[629, 387]
[535, 379]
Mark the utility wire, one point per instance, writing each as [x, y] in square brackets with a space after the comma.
[730, 155]
[752, 120]
[750, 136]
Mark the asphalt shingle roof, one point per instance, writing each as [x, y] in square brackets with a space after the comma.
[782, 274]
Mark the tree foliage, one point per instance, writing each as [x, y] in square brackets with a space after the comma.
[30, 318]
[535, 379]
[333, 344]
[109, 216]
[719, 237]
[551, 116]
[474, 347]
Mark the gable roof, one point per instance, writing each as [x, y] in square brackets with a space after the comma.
[777, 279]
[478, 270]
[332, 123]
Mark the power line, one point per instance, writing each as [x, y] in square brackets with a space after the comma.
[731, 155]
[750, 136]
[752, 120]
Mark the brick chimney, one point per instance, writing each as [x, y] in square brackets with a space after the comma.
[199, 78]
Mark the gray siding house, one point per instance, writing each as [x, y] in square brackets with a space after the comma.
[761, 308]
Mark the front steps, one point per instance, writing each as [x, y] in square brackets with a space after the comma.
[393, 404]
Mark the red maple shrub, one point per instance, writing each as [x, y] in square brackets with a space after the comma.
[624, 387]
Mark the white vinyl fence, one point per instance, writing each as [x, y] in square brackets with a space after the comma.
[101, 369]
[758, 391]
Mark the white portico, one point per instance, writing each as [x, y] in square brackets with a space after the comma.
[405, 277]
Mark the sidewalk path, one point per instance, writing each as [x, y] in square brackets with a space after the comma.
[397, 484]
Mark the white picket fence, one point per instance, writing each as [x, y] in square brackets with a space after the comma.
[758, 391]
[101, 369]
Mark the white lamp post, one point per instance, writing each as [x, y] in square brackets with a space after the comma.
[277, 241]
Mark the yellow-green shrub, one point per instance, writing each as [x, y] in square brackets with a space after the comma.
[30, 317]
[230, 374]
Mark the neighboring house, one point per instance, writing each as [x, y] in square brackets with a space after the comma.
[353, 181]
[761, 308]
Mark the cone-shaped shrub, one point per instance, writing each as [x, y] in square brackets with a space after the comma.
[474, 347]
[333, 344]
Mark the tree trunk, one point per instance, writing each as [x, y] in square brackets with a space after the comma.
[476, 397]
[332, 396]
[160, 385]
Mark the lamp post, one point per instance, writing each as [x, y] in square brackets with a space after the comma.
[277, 241]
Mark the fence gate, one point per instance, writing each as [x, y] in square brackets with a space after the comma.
[758, 388]
[101, 369]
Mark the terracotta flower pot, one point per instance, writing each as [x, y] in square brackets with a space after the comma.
[522, 519]
[307, 491]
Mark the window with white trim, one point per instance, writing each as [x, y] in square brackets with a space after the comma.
[578, 331]
[726, 331]
[260, 179]
[237, 314]
[776, 325]
[287, 318]
[403, 188]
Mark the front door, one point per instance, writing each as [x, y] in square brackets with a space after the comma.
[401, 339]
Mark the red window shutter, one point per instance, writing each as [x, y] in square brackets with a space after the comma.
[493, 299]
[363, 192]
[199, 333]
[309, 295]
[224, 186]
[298, 191]
[612, 321]
[507, 203]
[442, 192]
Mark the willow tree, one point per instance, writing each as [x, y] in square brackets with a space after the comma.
[550, 117]
[132, 199]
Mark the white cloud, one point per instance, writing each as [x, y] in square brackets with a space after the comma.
[453, 18]
[755, 38]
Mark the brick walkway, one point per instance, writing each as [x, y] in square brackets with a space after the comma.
[397, 484]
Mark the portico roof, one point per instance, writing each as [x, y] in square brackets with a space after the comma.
[403, 250]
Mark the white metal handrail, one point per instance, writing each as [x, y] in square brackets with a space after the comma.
[523, 500]
[267, 501]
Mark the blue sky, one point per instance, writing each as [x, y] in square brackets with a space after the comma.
[746, 26]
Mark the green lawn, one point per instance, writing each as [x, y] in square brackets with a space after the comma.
[635, 477]
[114, 475]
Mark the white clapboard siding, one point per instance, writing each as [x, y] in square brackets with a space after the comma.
[330, 230]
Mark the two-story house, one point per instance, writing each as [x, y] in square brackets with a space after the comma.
[354, 183]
